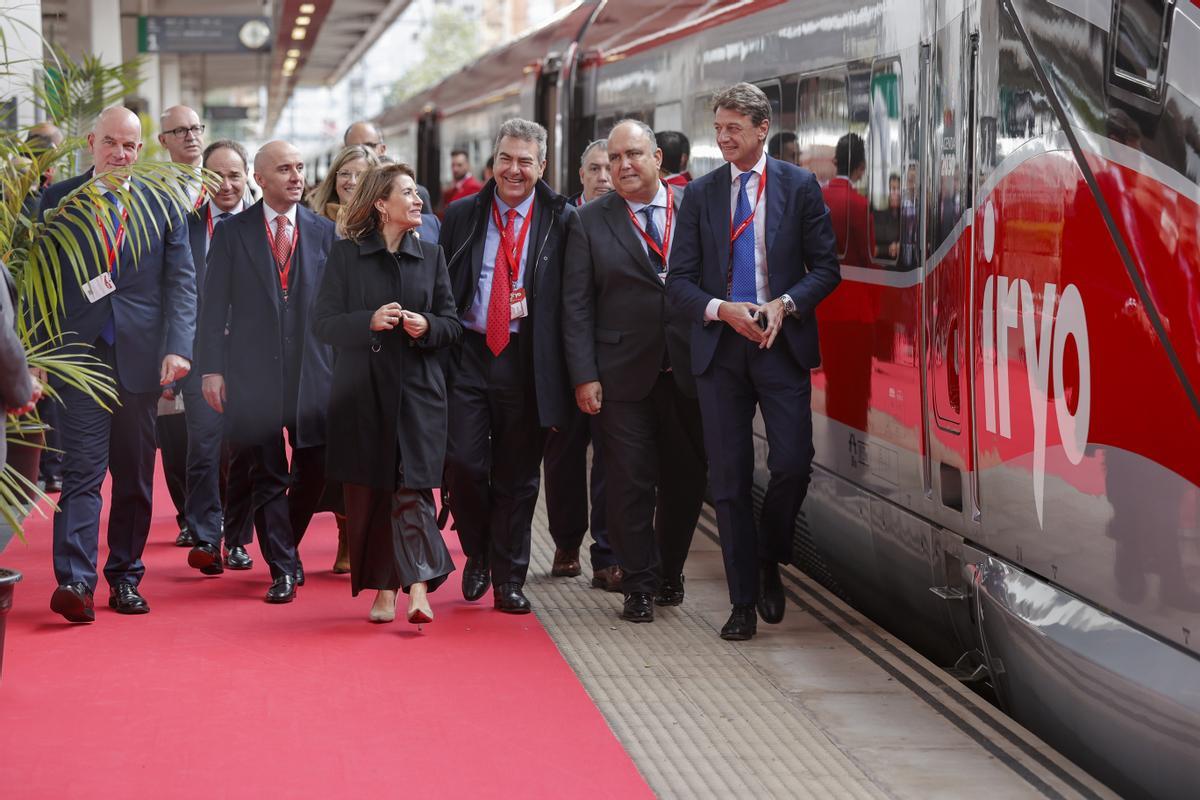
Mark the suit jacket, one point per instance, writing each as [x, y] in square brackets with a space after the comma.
[616, 318]
[387, 386]
[154, 305]
[462, 238]
[801, 257]
[242, 286]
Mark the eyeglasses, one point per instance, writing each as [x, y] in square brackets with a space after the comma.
[345, 175]
[182, 132]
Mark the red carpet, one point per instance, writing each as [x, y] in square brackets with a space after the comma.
[217, 694]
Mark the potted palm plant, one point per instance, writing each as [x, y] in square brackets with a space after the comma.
[46, 259]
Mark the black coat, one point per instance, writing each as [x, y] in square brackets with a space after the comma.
[388, 388]
[462, 238]
[242, 287]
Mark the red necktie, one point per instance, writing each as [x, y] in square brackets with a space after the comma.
[283, 249]
[499, 311]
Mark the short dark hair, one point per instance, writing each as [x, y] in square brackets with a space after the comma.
[491, 162]
[849, 154]
[674, 146]
[744, 98]
[227, 144]
[458, 151]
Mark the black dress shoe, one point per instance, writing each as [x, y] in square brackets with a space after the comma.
[638, 608]
[206, 558]
[74, 602]
[670, 593]
[53, 485]
[125, 599]
[283, 590]
[742, 624]
[509, 598]
[771, 601]
[476, 578]
[238, 558]
[299, 573]
[185, 538]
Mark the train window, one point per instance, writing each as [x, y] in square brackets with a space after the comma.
[823, 114]
[1138, 45]
[886, 140]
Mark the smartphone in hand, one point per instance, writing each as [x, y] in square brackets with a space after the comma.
[760, 319]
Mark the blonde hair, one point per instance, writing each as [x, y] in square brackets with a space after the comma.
[360, 218]
[326, 191]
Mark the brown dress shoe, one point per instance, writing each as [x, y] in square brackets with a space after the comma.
[566, 563]
[608, 579]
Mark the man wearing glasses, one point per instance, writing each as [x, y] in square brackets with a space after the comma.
[183, 138]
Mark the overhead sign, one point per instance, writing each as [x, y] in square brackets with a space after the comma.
[208, 34]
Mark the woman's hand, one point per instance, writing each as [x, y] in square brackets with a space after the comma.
[387, 317]
[415, 325]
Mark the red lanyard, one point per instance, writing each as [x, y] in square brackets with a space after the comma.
[666, 243]
[514, 252]
[287, 267]
[762, 184]
[210, 224]
[113, 252]
[200, 198]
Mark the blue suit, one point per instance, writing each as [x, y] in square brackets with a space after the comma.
[153, 313]
[734, 376]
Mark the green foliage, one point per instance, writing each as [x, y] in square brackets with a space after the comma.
[449, 44]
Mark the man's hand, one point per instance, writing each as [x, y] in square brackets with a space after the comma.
[415, 325]
[37, 377]
[386, 317]
[740, 317]
[213, 388]
[775, 316]
[173, 368]
[588, 396]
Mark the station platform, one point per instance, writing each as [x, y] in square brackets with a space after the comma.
[217, 694]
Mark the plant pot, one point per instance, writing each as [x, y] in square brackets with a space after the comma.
[27, 458]
[8, 582]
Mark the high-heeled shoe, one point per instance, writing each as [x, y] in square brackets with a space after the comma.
[419, 612]
[383, 614]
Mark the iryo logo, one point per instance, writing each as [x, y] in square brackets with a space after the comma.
[1010, 304]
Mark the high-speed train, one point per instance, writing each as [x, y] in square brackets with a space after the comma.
[1007, 419]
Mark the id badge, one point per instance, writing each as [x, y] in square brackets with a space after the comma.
[518, 304]
[100, 286]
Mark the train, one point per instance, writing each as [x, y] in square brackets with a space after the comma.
[1007, 416]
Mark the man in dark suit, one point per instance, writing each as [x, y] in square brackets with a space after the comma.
[627, 352]
[132, 308]
[507, 379]
[754, 245]
[205, 427]
[676, 151]
[270, 373]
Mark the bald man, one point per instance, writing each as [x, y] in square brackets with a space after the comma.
[269, 375]
[139, 321]
[368, 135]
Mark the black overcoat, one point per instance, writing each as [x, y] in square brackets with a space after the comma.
[388, 388]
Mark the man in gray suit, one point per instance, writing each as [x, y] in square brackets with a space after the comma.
[627, 354]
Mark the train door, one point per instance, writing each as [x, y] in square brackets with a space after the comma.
[948, 97]
[547, 107]
[429, 155]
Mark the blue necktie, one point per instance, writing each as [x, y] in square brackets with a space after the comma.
[109, 332]
[652, 231]
[742, 289]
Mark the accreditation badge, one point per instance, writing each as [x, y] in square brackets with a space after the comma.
[518, 304]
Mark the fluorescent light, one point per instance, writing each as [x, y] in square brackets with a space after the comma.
[308, 8]
[293, 53]
[299, 33]
[303, 20]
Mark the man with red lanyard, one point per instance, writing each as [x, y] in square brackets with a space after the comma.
[270, 375]
[627, 353]
[754, 255]
[137, 316]
[507, 382]
[182, 136]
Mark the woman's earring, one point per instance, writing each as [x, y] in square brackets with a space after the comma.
[383, 218]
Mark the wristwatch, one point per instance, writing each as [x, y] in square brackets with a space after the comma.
[789, 306]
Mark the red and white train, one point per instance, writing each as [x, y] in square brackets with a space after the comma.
[1007, 420]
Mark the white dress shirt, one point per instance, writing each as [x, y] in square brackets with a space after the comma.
[761, 287]
[476, 317]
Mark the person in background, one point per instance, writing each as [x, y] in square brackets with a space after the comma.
[182, 136]
[385, 306]
[138, 319]
[465, 184]
[565, 456]
[270, 375]
[754, 255]
[368, 135]
[676, 151]
[508, 379]
[207, 460]
[19, 389]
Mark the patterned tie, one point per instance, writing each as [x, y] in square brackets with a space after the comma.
[109, 332]
[652, 231]
[282, 249]
[499, 312]
[742, 287]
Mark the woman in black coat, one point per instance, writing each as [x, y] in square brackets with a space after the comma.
[385, 305]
